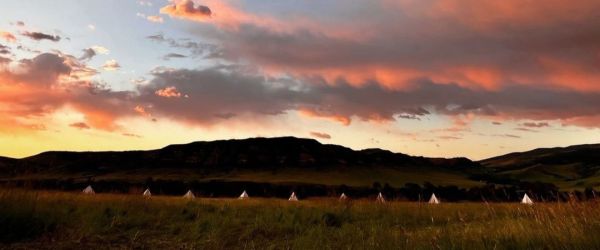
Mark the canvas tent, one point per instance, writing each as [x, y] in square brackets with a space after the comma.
[88, 190]
[526, 200]
[189, 195]
[380, 198]
[147, 193]
[293, 197]
[244, 195]
[343, 197]
[434, 199]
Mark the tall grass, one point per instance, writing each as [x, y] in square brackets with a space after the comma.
[67, 220]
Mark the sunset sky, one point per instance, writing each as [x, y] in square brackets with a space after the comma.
[424, 77]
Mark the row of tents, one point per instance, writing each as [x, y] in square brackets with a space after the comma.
[190, 195]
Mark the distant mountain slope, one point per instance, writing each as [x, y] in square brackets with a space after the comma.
[7, 165]
[254, 153]
[570, 167]
[283, 159]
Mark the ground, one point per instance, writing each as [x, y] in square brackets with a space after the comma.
[71, 220]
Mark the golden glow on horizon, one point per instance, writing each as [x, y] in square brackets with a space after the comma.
[144, 134]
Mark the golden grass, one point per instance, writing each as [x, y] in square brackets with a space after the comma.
[69, 220]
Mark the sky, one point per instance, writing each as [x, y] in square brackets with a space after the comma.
[441, 78]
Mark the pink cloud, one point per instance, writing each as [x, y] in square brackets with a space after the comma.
[7, 36]
[187, 9]
[168, 92]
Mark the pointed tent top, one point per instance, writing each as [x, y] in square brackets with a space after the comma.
[526, 200]
[88, 190]
[189, 195]
[380, 198]
[343, 197]
[244, 195]
[293, 197]
[147, 193]
[434, 199]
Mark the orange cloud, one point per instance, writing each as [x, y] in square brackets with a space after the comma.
[141, 110]
[7, 36]
[32, 91]
[316, 114]
[101, 119]
[475, 44]
[187, 9]
[168, 92]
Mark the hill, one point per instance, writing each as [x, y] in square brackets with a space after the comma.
[569, 167]
[7, 165]
[258, 160]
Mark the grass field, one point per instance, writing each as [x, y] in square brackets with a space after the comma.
[355, 177]
[68, 220]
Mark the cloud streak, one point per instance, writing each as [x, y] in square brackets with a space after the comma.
[320, 135]
[41, 36]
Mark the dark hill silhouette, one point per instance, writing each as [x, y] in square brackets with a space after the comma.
[7, 165]
[226, 155]
[569, 167]
[285, 162]
[267, 166]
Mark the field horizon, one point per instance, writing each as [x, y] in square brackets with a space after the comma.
[273, 166]
[70, 220]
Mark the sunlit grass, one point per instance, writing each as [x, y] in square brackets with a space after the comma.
[37, 219]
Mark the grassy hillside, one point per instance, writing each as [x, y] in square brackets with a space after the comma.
[66, 220]
[572, 167]
[354, 177]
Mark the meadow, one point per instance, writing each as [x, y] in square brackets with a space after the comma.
[45, 219]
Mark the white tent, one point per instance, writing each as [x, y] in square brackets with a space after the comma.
[343, 197]
[293, 197]
[147, 193]
[380, 198]
[244, 195]
[526, 200]
[434, 200]
[189, 195]
[88, 190]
